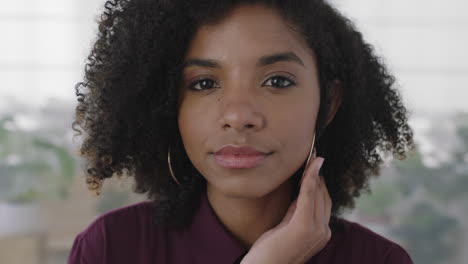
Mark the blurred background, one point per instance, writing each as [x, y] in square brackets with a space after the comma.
[421, 202]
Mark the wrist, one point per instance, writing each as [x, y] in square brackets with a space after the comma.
[249, 260]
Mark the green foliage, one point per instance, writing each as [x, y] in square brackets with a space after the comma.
[423, 230]
[111, 199]
[32, 166]
[383, 196]
[25, 197]
[426, 229]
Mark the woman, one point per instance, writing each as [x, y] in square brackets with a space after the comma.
[214, 107]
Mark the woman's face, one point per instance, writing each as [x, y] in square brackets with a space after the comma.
[249, 80]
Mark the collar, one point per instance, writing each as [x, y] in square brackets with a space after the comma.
[211, 241]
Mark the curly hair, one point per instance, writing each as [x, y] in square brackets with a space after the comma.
[127, 101]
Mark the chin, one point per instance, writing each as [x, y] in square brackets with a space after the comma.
[244, 189]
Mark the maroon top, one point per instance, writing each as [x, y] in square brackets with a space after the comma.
[127, 235]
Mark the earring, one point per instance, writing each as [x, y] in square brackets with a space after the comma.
[170, 167]
[312, 153]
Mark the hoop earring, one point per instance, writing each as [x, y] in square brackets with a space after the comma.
[312, 153]
[170, 167]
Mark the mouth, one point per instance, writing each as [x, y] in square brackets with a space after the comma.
[243, 161]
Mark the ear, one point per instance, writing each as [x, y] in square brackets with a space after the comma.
[336, 97]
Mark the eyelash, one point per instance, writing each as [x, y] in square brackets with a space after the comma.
[191, 86]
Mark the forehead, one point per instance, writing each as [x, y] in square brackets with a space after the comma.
[247, 31]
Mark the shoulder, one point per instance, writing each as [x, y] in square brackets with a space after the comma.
[131, 216]
[363, 245]
[391, 251]
[109, 230]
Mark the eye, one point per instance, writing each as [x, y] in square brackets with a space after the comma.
[202, 84]
[279, 81]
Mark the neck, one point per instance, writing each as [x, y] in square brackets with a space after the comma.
[248, 218]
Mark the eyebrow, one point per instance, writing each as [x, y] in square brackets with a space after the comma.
[263, 61]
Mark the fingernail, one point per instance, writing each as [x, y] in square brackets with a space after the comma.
[320, 163]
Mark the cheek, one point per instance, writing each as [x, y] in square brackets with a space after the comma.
[295, 128]
[188, 129]
[192, 126]
[301, 132]
[297, 123]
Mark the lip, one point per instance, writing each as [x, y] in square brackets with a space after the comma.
[239, 150]
[239, 157]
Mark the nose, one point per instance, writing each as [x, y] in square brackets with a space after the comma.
[240, 111]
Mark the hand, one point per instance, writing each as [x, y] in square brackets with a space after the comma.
[304, 230]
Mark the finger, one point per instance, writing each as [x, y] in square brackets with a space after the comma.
[307, 194]
[326, 238]
[328, 202]
[309, 161]
[319, 204]
[289, 213]
[306, 170]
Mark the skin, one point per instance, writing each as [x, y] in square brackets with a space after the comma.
[241, 102]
